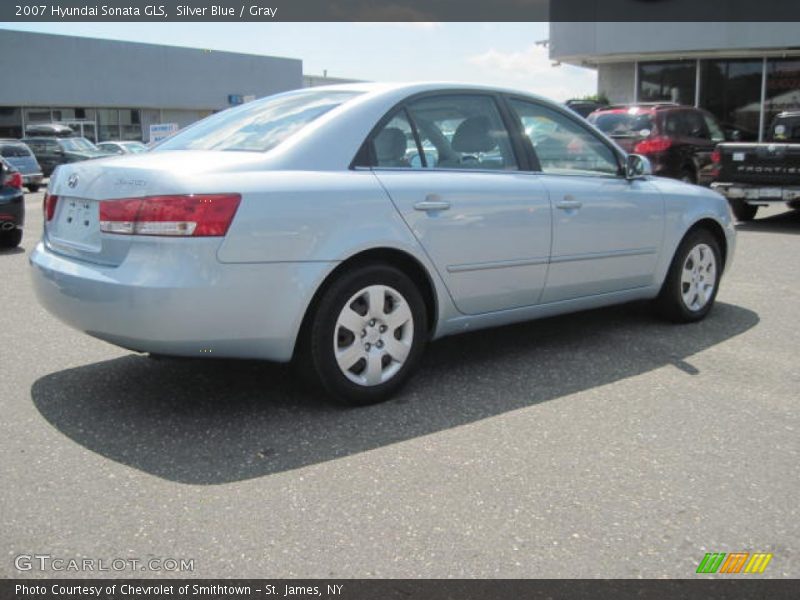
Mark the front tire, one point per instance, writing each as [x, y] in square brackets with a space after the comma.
[366, 335]
[689, 292]
[743, 211]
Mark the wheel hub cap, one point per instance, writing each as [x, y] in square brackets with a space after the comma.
[373, 335]
[698, 277]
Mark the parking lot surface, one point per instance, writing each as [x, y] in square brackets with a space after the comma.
[603, 444]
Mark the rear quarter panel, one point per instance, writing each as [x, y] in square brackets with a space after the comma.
[303, 216]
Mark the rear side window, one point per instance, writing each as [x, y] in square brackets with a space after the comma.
[462, 131]
[675, 124]
[257, 126]
[395, 145]
[696, 125]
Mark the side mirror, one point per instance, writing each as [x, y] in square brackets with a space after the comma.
[637, 167]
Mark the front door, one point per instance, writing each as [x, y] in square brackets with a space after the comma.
[607, 231]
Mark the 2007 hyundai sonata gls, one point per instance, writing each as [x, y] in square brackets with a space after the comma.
[346, 226]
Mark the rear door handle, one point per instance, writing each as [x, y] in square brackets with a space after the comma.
[569, 203]
[432, 205]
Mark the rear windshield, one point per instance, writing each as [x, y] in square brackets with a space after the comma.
[257, 126]
[14, 151]
[623, 124]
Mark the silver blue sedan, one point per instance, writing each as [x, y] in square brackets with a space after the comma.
[344, 227]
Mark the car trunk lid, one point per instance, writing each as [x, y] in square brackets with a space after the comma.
[74, 227]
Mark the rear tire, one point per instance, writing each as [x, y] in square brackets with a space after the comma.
[690, 289]
[10, 239]
[743, 211]
[33, 188]
[366, 336]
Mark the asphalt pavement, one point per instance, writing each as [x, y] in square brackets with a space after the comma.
[602, 444]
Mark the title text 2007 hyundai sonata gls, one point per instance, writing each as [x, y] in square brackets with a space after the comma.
[344, 227]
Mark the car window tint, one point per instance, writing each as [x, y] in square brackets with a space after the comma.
[394, 145]
[561, 144]
[51, 147]
[675, 124]
[696, 125]
[14, 151]
[623, 123]
[257, 126]
[714, 129]
[462, 131]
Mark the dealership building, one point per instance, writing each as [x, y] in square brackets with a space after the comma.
[744, 73]
[111, 90]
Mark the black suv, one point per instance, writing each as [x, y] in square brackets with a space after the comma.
[678, 140]
[54, 151]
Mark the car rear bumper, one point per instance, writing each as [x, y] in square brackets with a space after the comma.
[189, 305]
[32, 178]
[757, 194]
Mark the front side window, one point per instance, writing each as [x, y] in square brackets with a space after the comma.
[561, 145]
[462, 131]
[257, 126]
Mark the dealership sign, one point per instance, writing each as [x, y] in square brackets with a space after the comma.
[160, 131]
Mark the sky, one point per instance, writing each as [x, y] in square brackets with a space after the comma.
[502, 54]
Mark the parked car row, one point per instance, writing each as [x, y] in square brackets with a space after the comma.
[49, 145]
[690, 144]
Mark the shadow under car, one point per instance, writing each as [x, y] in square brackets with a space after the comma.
[208, 422]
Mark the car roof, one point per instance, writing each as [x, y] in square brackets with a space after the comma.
[410, 88]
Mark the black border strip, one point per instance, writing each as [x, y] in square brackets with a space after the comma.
[400, 10]
[734, 588]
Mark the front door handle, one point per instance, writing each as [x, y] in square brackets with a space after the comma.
[569, 203]
[432, 205]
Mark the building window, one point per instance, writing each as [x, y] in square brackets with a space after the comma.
[672, 81]
[37, 115]
[107, 124]
[10, 122]
[731, 90]
[783, 88]
[130, 124]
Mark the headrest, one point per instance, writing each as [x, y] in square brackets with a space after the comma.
[390, 144]
[474, 135]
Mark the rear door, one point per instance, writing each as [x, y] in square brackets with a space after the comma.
[607, 231]
[448, 164]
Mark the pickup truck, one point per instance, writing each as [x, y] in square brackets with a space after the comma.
[750, 175]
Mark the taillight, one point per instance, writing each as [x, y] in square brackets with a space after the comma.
[13, 179]
[652, 145]
[49, 206]
[716, 157]
[194, 215]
